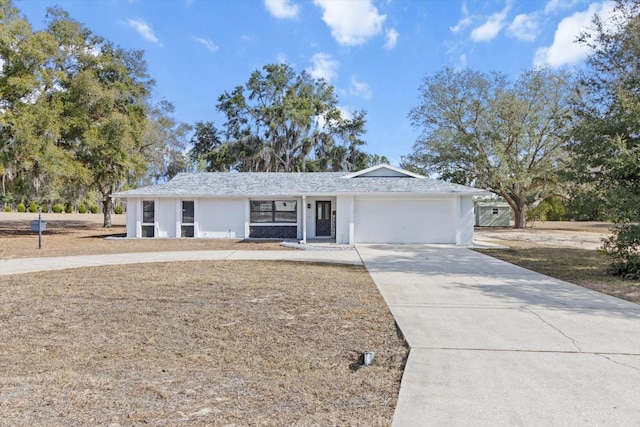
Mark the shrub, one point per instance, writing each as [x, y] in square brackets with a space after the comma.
[550, 209]
[7, 208]
[68, 208]
[57, 208]
[93, 208]
[82, 208]
[118, 209]
[21, 207]
[622, 249]
[33, 207]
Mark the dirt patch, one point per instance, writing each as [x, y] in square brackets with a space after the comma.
[565, 234]
[83, 234]
[197, 343]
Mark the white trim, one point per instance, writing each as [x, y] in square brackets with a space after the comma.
[384, 166]
[303, 212]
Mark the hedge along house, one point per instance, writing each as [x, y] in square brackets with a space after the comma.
[382, 204]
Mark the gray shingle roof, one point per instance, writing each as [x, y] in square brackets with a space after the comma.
[254, 184]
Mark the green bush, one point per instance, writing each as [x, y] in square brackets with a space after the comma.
[118, 209]
[21, 207]
[622, 249]
[550, 209]
[68, 208]
[7, 208]
[57, 208]
[93, 208]
[33, 207]
[82, 208]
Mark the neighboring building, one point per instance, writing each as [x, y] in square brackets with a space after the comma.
[492, 214]
[382, 204]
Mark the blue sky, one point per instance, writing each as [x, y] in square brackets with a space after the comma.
[375, 52]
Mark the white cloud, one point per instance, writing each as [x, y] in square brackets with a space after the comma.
[144, 30]
[553, 6]
[524, 27]
[361, 89]
[207, 43]
[564, 49]
[392, 39]
[463, 60]
[345, 112]
[352, 23]
[324, 67]
[282, 9]
[464, 22]
[492, 26]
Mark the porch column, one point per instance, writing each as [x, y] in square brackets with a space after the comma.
[304, 218]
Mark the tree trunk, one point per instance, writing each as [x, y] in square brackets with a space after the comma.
[107, 207]
[520, 218]
[518, 206]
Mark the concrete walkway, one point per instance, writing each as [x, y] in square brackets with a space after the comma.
[31, 265]
[493, 344]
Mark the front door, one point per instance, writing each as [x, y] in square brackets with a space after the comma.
[323, 219]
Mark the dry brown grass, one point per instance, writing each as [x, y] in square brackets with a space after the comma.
[76, 234]
[197, 343]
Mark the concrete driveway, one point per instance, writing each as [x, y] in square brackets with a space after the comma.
[494, 344]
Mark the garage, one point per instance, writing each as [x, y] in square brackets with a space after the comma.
[378, 220]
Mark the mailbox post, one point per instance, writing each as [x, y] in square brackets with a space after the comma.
[39, 228]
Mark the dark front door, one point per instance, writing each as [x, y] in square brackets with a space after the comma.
[323, 218]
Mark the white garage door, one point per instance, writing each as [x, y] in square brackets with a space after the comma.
[404, 221]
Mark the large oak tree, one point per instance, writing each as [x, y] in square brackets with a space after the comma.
[485, 130]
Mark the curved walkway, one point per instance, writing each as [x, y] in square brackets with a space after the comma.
[32, 265]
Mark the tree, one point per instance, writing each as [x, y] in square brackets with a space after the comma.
[163, 144]
[103, 91]
[482, 129]
[281, 120]
[605, 141]
[32, 161]
[208, 149]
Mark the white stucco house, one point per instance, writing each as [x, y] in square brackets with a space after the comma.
[382, 204]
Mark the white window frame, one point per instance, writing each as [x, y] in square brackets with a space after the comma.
[188, 224]
[148, 224]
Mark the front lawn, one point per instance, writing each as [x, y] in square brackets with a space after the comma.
[197, 343]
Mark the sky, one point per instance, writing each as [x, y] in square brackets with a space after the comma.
[375, 53]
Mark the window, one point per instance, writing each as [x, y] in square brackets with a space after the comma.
[148, 218]
[280, 211]
[495, 211]
[188, 214]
